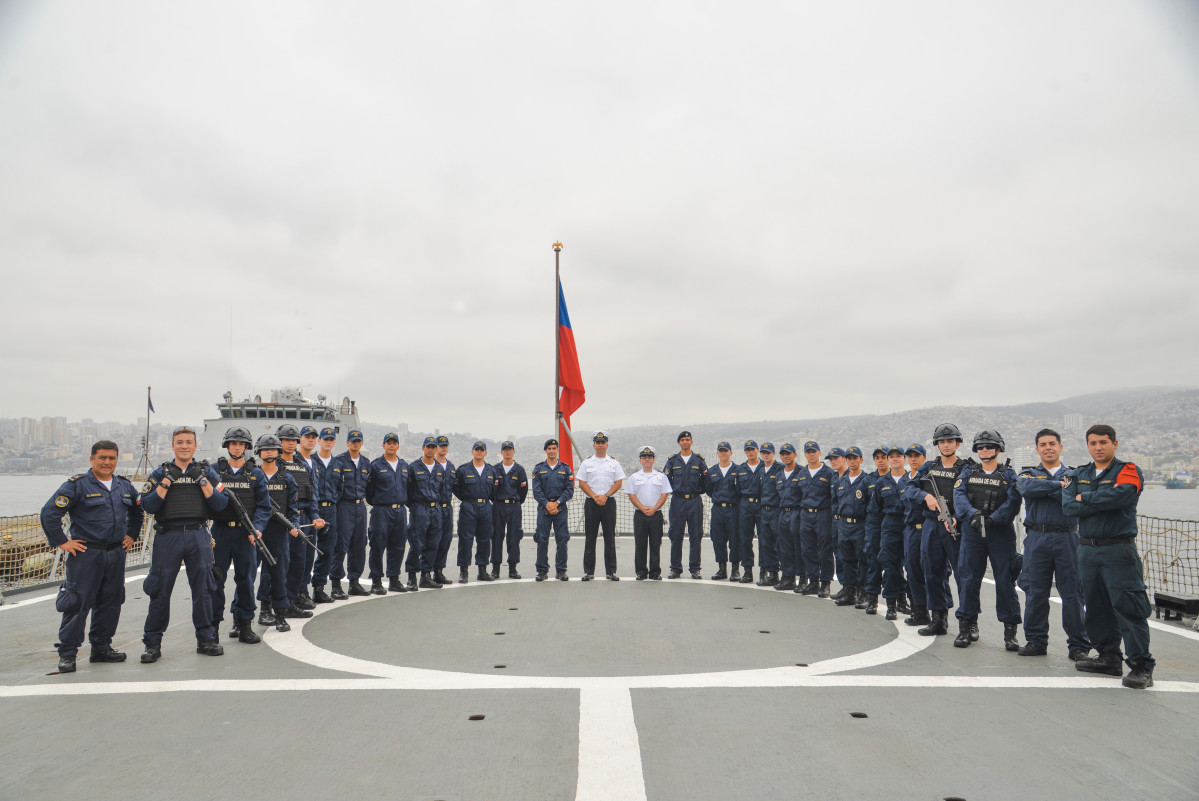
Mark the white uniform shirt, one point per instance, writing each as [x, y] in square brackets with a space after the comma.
[600, 474]
[648, 487]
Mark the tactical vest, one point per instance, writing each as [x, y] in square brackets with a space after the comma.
[302, 477]
[238, 484]
[945, 477]
[987, 492]
[184, 501]
[276, 487]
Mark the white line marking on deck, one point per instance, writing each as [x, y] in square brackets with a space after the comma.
[609, 748]
[27, 601]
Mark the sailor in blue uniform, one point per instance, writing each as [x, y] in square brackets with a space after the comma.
[553, 487]
[106, 520]
[986, 501]
[446, 535]
[281, 488]
[1050, 550]
[768, 529]
[889, 511]
[816, 521]
[426, 478]
[720, 484]
[836, 460]
[387, 494]
[239, 476]
[347, 486]
[300, 575]
[749, 513]
[475, 486]
[327, 537]
[182, 496]
[510, 493]
[300, 470]
[851, 500]
[913, 527]
[790, 493]
[871, 550]
[686, 471]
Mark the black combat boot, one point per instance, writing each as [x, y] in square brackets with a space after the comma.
[938, 625]
[919, 616]
[1141, 675]
[303, 601]
[319, 596]
[235, 629]
[440, 578]
[1109, 664]
[1032, 649]
[811, 588]
[696, 575]
[764, 579]
[463, 575]
[495, 570]
[512, 574]
[736, 574]
[210, 648]
[338, 593]
[562, 576]
[787, 583]
[294, 612]
[106, 655]
[281, 623]
[721, 574]
[152, 654]
[849, 597]
[674, 574]
[484, 575]
[542, 575]
[825, 588]
[901, 605]
[872, 603]
[357, 589]
[748, 578]
[1010, 641]
[974, 630]
[963, 638]
[265, 616]
[412, 581]
[376, 587]
[429, 581]
[395, 585]
[840, 593]
[66, 664]
[892, 614]
[859, 599]
[245, 633]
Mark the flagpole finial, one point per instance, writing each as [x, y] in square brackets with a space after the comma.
[557, 246]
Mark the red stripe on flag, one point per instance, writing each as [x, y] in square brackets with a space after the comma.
[570, 380]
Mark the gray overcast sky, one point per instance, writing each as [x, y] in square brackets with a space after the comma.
[763, 205]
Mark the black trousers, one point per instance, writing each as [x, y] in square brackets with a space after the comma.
[594, 516]
[647, 535]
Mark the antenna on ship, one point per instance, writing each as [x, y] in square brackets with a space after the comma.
[143, 465]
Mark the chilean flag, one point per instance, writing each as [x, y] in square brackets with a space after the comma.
[571, 393]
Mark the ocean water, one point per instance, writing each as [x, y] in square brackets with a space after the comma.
[22, 495]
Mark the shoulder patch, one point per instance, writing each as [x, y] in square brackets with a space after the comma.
[61, 501]
[1128, 475]
[147, 488]
[76, 477]
[957, 483]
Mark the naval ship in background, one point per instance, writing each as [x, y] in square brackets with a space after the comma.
[287, 405]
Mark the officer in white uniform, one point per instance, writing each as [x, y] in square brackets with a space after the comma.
[648, 490]
[599, 477]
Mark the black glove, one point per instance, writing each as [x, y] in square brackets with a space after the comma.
[173, 472]
[976, 521]
[194, 471]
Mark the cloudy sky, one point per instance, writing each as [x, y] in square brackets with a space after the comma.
[769, 210]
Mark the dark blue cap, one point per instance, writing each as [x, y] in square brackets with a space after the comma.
[506, 445]
[479, 445]
[723, 446]
[853, 450]
[549, 442]
[328, 433]
[391, 437]
[767, 447]
[916, 448]
[443, 440]
[879, 449]
[810, 445]
[354, 436]
[429, 441]
[787, 448]
[835, 453]
[683, 434]
[895, 449]
[750, 445]
[306, 430]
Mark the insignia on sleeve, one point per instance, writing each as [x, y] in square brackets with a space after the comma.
[147, 488]
[61, 501]
[957, 483]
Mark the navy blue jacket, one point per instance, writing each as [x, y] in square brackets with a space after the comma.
[887, 502]
[385, 486]
[817, 489]
[512, 486]
[322, 475]
[789, 489]
[345, 481]
[1108, 509]
[686, 478]
[98, 515]
[850, 499]
[309, 508]
[555, 483]
[472, 486]
[261, 512]
[1042, 494]
[749, 482]
[151, 503]
[425, 482]
[722, 488]
[447, 489]
[1007, 510]
[291, 509]
[770, 484]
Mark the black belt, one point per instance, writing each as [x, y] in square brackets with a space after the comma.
[102, 546]
[852, 519]
[508, 500]
[389, 506]
[350, 500]
[815, 508]
[724, 504]
[766, 508]
[750, 498]
[427, 503]
[919, 526]
[688, 495]
[1051, 529]
[1102, 543]
[193, 527]
[445, 504]
[790, 508]
[229, 525]
[480, 500]
[325, 503]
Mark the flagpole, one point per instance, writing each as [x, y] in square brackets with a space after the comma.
[557, 334]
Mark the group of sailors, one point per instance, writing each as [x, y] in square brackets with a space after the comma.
[900, 531]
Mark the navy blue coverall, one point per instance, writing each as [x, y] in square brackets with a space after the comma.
[999, 545]
[687, 479]
[749, 517]
[768, 528]
[425, 484]
[790, 493]
[387, 494]
[510, 493]
[272, 589]
[347, 487]
[889, 509]
[722, 489]
[327, 538]
[851, 499]
[446, 532]
[233, 544]
[475, 488]
[816, 521]
[555, 483]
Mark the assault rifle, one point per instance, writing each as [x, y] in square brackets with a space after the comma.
[243, 517]
[277, 514]
[943, 509]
